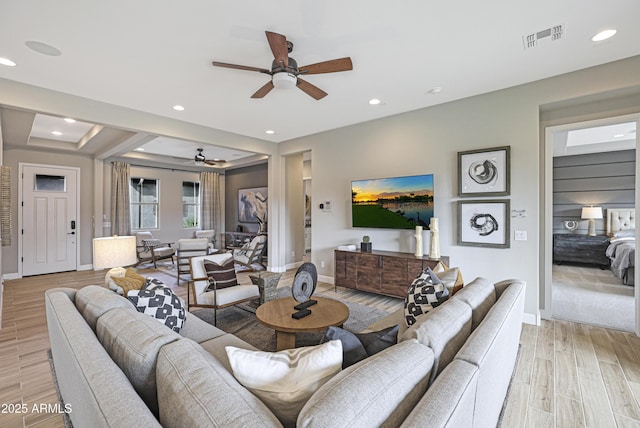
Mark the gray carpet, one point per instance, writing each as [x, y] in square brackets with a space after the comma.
[593, 296]
[241, 321]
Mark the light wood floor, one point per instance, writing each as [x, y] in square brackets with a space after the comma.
[569, 374]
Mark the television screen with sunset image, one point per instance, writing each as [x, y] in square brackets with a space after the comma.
[392, 203]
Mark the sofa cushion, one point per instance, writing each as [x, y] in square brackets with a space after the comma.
[285, 380]
[480, 295]
[224, 274]
[195, 390]
[216, 347]
[358, 346]
[425, 293]
[454, 391]
[444, 330]
[198, 330]
[378, 391]
[93, 301]
[493, 348]
[161, 303]
[88, 378]
[133, 341]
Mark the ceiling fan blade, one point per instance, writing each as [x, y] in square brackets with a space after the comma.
[278, 44]
[214, 162]
[311, 90]
[264, 90]
[332, 66]
[240, 67]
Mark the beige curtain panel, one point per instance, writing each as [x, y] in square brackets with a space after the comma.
[120, 211]
[5, 205]
[211, 216]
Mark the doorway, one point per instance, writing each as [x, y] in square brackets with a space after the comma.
[589, 166]
[48, 219]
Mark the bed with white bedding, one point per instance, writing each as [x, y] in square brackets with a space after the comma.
[621, 228]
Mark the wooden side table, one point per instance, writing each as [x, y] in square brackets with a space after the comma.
[267, 282]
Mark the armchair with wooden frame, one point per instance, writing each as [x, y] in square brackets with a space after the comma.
[210, 235]
[251, 254]
[149, 249]
[205, 287]
[187, 248]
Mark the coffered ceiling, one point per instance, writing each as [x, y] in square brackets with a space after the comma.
[150, 56]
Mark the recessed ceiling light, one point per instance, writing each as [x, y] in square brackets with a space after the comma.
[270, 131]
[139, 149]
[435, 90]
[69, 120]
[603, 35]
[42, 48]
[178, 108]
[56, 133]
[618, 136]
[374, 101]
[7, 62]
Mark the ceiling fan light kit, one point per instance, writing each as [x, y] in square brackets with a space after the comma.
[284, 80]
[284, 70]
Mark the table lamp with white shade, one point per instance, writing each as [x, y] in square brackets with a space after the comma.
[114, 251]
[591, 213]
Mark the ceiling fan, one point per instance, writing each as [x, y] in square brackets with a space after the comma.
[200, 159]
[285, 72]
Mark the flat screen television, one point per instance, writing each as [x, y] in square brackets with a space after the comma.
[392, 203]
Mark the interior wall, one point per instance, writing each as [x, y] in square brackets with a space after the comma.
[85, 184]
[242, 178]
[294, 197]
[606, 180]
[427, 141]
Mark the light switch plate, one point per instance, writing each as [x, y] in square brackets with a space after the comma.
[520, 235]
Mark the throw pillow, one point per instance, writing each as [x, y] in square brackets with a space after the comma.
[285, 380]
[224, 274]
[358, 346]
[425, 293]
[162, 304]
[450, 277]
[127, 284]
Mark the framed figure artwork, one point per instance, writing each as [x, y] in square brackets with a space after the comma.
[252, 205]
[484, 223]
[484, 172]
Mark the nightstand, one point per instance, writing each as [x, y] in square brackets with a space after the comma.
[580, 249]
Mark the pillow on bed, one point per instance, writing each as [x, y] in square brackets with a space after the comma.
[629, 233]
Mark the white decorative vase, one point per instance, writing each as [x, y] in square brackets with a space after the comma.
[419, 251]
[434, 251]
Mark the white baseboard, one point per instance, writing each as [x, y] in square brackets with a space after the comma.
[85, 267]
[14, 275]
[324, 278]
[533, 319]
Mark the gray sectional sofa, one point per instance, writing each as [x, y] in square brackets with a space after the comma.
[117, 367]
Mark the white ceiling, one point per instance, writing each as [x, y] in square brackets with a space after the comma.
[149, 55]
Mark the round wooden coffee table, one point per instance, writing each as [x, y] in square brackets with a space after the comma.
[276, 314]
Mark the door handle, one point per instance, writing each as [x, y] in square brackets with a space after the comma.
[72, 233]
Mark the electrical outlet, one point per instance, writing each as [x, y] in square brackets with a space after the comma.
[321, 263]
[293, 254]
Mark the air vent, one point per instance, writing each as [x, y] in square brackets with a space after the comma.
[544, 36]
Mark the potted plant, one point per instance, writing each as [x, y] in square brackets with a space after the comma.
[365, 245]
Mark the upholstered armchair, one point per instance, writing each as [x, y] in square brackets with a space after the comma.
[251, 254]
[210, 234]
[187, 248]
[149, 249]
[214, 284]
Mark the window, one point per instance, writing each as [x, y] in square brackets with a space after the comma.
[190, 204]
[144, 203]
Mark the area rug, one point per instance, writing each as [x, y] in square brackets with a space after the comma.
[241, 321]
[65, 416]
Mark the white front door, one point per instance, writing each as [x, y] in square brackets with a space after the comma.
[49, 219]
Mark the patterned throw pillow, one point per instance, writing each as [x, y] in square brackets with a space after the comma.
[425, 293]
[123, 280]
[224, 274]
[160, 302]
